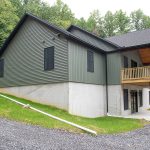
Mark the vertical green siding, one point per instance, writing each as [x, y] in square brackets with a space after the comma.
[132, 55]
[24, 57]
[78, 65]
[91, 39]
[113, 68]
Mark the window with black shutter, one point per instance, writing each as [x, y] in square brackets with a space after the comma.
[140, 98]
[90, 61]
[1, 67]
[49, 58]
[125, 61]
[125, 98]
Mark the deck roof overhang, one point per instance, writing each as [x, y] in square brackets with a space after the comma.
[145, 55]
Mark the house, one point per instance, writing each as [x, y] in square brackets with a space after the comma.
[75, 70]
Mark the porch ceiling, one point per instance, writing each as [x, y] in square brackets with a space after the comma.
[145, 55]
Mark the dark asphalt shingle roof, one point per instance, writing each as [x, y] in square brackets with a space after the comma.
[132, 38]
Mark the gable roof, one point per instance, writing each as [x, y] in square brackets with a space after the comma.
[132, 38]
[92, 35]
[66, 33]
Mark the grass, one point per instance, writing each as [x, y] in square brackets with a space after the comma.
[13, 111]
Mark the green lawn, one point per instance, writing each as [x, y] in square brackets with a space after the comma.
[104, 125]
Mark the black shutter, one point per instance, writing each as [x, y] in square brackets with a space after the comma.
[1, 67]
[125, 97]
[140, 97]
[90, 61]
[125, 61]
[49, 58]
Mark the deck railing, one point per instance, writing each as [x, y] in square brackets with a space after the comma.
[137, 73]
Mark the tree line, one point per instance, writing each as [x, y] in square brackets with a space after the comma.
[61, 15]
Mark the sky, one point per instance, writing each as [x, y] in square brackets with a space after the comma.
[82, 8]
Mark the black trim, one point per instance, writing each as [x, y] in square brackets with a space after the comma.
[1, 68]
[90, 61]
[126, 99]
[106, 83]
[49, 58]
[91, 34]
[53, 27]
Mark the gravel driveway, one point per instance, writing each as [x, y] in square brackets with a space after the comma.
[18, 136]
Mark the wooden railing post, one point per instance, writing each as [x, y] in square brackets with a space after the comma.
[135, 73]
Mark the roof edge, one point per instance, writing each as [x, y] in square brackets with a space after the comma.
[85, 31]
[136, 47]
[46, 23]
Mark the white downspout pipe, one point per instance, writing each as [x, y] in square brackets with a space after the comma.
[54, 117]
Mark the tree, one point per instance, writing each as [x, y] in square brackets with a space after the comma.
[146, 22]
[137, 19]
[61, 14]
[8, 19]
[94, 23]
[122, 22]
[109, 24]
[81, 23]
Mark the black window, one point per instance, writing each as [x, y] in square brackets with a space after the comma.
[125, 97]
[90, 61]
[140, 98]
[1, 67]
[149, 97]
[125, 61]
[49, 58]
[133, 63]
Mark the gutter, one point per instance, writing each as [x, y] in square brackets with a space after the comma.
[49, 115]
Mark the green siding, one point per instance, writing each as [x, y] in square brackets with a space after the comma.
[78, 65]
[24, 57]
[90, 39]
[113, 68]
[132, 55]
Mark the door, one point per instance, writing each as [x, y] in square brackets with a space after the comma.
[134, 101]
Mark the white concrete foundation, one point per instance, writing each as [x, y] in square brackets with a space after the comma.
[114, 99]
[87, 100]
[80, 99]
[146, 98]
[50, 94]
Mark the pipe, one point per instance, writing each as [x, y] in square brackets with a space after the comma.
[49, 115]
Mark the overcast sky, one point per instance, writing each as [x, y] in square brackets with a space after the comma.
[82, 8]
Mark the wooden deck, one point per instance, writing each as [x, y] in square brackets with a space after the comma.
[137, 75]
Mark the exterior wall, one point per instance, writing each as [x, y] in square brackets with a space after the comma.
[131, 87]
[114, 99]
[116, 102]
[87, 100]
[114, 68]
[24, 57]
[132, 55]
[146, 98]
[78, 65]
[93, 40]
[50, 94]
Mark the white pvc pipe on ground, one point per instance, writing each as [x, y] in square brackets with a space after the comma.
[54, 117]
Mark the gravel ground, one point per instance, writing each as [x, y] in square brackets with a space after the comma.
[18, 136]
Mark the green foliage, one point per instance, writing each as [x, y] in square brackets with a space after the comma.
[109, 24]
[122, 22]
[8, 19]
[109, 125]
[61, 15]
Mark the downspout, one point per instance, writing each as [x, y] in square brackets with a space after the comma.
[106, 83]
